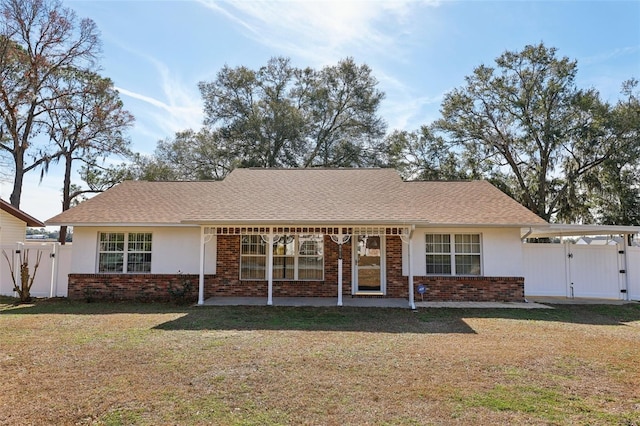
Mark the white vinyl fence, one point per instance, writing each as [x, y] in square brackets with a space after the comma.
[574, 270]
[52, 275]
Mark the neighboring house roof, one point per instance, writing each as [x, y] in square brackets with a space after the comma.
[302, 196]
[17, 213]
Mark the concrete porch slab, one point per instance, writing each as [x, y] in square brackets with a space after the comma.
[308, 301]
[363, 302]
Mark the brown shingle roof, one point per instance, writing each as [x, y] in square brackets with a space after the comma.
[297, 196]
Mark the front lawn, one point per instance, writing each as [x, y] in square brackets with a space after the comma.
[150, 364]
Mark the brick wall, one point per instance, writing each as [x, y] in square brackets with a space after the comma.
[141, 287]
[475, 289]
[397, 285]
[227, 282]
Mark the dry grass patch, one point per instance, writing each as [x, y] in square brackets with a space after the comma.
[148, 364]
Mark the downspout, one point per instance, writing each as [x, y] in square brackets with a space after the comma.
[524, 237]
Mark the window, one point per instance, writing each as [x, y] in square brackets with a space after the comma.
[310, 257]
[284, 258]
[124, 252]
[463, 256]
[253, 258]
[295, 257]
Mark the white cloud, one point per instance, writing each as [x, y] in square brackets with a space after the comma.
[607, 56]
[324, 31]
[321, 30]
[408, 112]
[180, 109]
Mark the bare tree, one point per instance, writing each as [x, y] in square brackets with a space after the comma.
[38, 39]
[87, 124]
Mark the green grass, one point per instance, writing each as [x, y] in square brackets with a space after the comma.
[147, 364]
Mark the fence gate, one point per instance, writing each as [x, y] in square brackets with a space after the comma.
[575, 270]
[594, 271]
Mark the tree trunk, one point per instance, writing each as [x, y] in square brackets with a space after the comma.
[14, 199]
[66, 196]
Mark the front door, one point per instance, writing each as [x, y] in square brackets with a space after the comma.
[368, 271]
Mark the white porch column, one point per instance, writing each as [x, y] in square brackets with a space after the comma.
[340, 240]
[406, 238]
[340, 278]
[270, 268]
[412, 304]
[201, 278]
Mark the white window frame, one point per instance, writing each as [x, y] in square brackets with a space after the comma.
[243, 256]
[296, 256]
[125, 252]
[453, 253]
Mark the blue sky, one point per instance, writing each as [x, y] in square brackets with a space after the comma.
[157, 51]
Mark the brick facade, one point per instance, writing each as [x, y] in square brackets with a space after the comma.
[140, 287]
[227, 281]
[162, 287]
[470, 289]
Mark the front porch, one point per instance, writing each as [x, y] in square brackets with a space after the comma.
[319, 262]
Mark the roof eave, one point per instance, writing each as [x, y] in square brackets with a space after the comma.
[119, 224]
[19, 214]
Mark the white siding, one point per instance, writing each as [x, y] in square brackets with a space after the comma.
[501, 250]
[12, 229]
[173, 249]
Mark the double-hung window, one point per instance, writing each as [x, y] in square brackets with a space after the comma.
[253, 257]
[124, 252]
[310, 257]
[453, 254]
[295, 257]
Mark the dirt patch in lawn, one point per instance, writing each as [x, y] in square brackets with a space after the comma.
[149, 364]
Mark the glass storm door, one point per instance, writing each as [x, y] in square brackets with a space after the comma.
[368, 271]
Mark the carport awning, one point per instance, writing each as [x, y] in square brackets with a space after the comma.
[568, 230]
